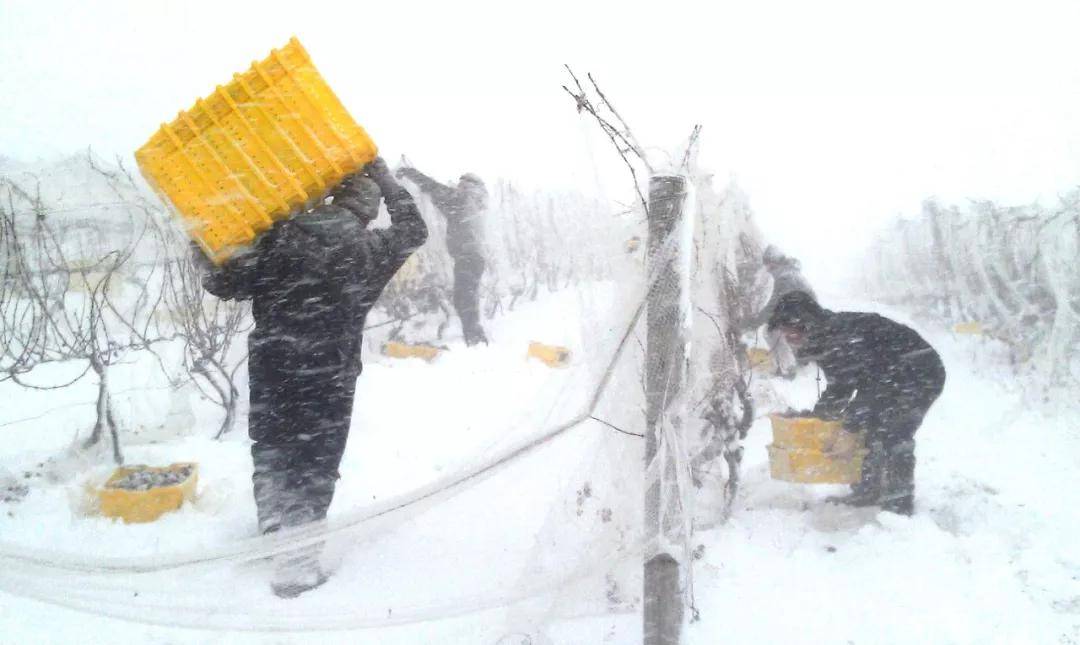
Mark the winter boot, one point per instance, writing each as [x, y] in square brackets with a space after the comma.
[868, 490]
[474, 335]
[269, 486]
[297, 572]
[898, 495]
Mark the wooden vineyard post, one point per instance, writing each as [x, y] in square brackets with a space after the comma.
[665, 357]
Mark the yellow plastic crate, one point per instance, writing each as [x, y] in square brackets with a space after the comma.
[138, 506]
[273, 140]
[971, 328]
[395, 349]
[550, 355]
[810, 433]
[814, 467]
[808, 450]
[760, 359]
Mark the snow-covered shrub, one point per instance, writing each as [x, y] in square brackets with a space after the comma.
[1011, 270]
[95, 273]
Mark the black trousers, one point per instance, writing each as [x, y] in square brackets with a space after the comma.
[468, 270]
[892, 411]
[301, 408]
[890, 417]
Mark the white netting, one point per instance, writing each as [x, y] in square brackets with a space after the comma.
[482, 484]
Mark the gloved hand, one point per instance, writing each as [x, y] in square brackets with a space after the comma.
[380, 174]
[826, 413]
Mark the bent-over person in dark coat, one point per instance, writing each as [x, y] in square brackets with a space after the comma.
[882, 378]
[312, 280]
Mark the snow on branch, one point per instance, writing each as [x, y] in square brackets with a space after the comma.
[1004, 272]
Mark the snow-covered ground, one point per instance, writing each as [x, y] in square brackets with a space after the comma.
[988, 557]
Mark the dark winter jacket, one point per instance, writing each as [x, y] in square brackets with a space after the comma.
[880, 373]
[314, 277]
[462, 209]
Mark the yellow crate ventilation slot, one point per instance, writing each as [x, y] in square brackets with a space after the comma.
[273, 140]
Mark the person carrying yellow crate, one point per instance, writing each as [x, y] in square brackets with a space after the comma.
[312, 280]
[462, 206]
[882, 378]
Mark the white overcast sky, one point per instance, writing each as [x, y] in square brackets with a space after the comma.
[833, 116]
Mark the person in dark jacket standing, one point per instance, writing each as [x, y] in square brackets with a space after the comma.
[312, 280]
[882, 378]
[463, 207]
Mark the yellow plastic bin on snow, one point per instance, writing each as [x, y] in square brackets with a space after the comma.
[970, 328]
[760, 359]
[394, 349]
[274, 139]
[131, 494]
[807, 450]
[550, 355]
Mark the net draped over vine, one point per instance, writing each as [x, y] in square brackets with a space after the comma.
[531, 513]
